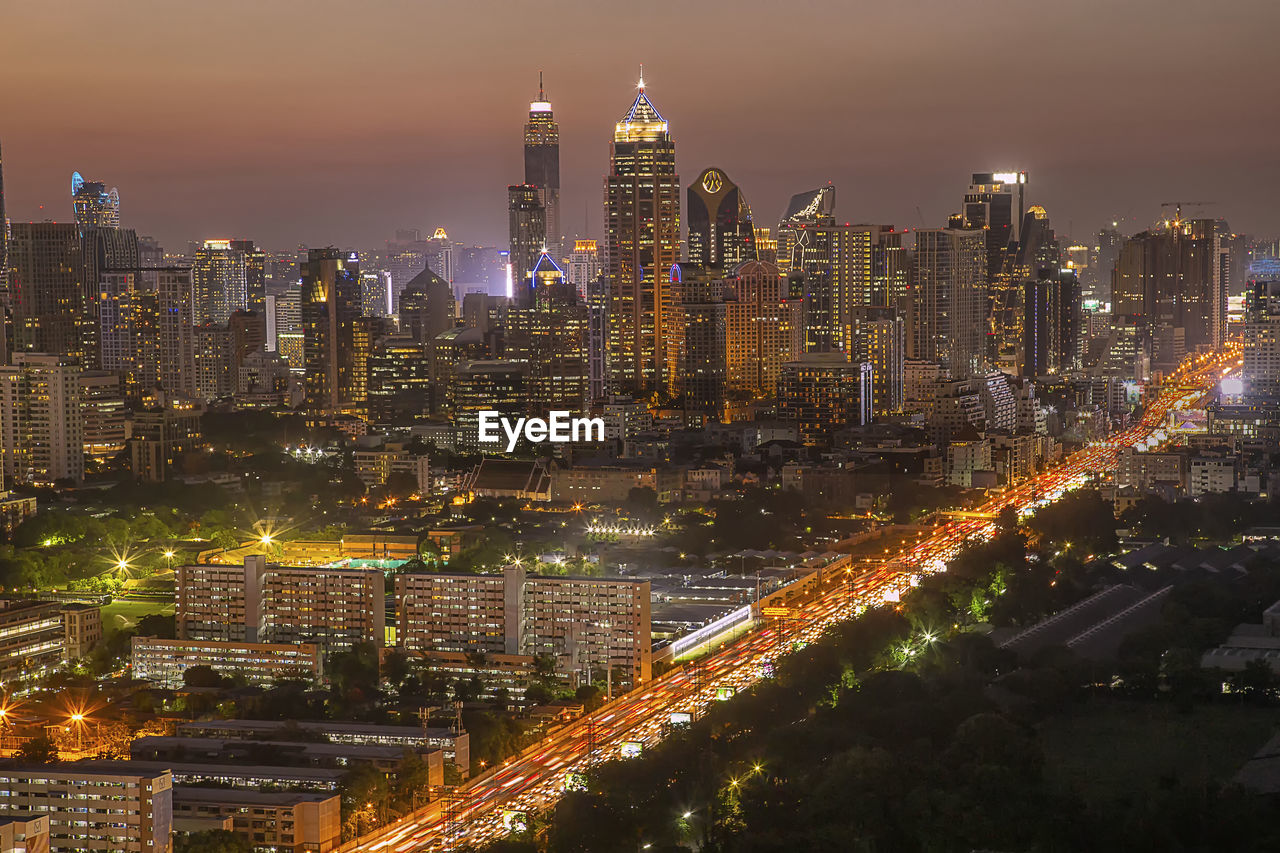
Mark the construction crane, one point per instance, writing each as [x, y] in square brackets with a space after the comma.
[1177, 205]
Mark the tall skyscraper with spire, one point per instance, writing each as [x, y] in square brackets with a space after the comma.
[542, 164]
[642, 219]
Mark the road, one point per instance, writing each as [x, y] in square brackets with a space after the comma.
[535, 779]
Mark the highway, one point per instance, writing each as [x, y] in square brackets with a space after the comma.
[482, 809]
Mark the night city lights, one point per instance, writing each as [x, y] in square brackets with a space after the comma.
[570, 428]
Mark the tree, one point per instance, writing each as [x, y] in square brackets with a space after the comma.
[38, 750]
[201, 676]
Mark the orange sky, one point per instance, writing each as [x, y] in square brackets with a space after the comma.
[337, 122]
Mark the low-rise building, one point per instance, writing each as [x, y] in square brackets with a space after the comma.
[109, 806]
[612, 483]
[33, 638]
[163, 662]
[283, 822]
[82, 629]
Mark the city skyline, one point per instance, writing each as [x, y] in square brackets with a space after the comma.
[1101, 131]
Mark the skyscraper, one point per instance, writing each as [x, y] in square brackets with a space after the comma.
[255, 274]
[47, 288]
[721, 233]
[41, 422]
[527, 221]
[1261, 369]
[220, 282]
[549, 334]
[542, 165]
[146, 329]
[988, 205]
[642, 219]
[95, 205]
[330, 306]
[4, 240]
[584, 265]
[949, 299]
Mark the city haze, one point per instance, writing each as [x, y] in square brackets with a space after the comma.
[324, 122]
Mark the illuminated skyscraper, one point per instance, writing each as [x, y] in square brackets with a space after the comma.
[949, 299]
[95, 205]
[720, 228]
[642, 218]
[549, 335]
[527, 220]
[4, 243]
[584, 265]
[220, 282]
[255, 274]
[47, 290]
[988, 205]
[542, 164]
[330, 306]
[1261, 370]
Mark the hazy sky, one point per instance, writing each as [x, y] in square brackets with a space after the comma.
[336, 122]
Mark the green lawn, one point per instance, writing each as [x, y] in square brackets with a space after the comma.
[1108, 749]
[123, 615]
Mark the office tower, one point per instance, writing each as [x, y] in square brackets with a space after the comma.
[330, 306]
[488, 385]
[1036, 257]
[989, 207]
[365, 334]
[1051, 322]
[220, 283]
[819, 393]
[813, 207]
[41, 422]
[262, 602]
[542, 166]
[1168, 283]
[696, 339]
[103, 249]
[400, 379]
[642, 219]
[839, 264]
[95, 205]
[284, 326]
[763, 329]
[949, 301]
[446, 351]
[589, 626]
[766, 246]
[879, 337]
[1109, 242]
[597, 302]
[46, 288]
[427, 307]
[721, 233]
[550, 336]
[527, 221]
[1261, 339]
[255, 274]
[584, 265]
[146, 329]
[93, 805]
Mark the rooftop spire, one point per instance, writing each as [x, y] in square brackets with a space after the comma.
[640, 85]
[541, 95]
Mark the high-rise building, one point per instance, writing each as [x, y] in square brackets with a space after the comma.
[721, 233]
[542, 166]
[41, 421]
[400, 379]
[427, 307]
[813, 207]
[839, 263]
[47, 289]
[584, 265]
[255, 274]
[330, 306]
[527, 220]
[549, 334]
[1261, 370]
[219, 282]
[146, 329]
[696, 338]
[948, 303]
[1168, 283]
[95, 205]
[989, 207]
[763, 328]
[487, 385]
[879, 338]
[642, 219]
[1050, 327]
[821, 392]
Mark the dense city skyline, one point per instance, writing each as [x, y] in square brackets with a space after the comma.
[412, 142]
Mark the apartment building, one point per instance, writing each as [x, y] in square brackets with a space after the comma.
[108, 806]
[589, 625]
[284, 822]
[261, 602]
